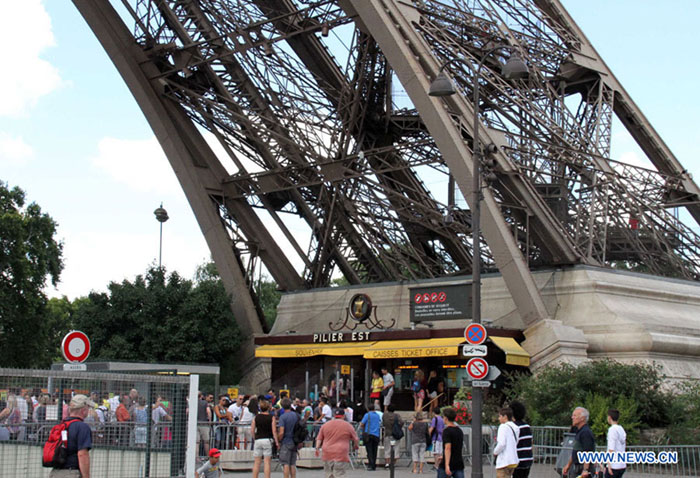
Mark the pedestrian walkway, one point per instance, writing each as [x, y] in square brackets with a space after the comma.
[538, 471]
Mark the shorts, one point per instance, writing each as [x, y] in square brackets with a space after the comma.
[387, 397]
[418, 452]
[437, 448]
[505, 472]
[420, 395]
[203, 433]
[262, 447]
[375, 395]
[388, 447]
[335, 469]
[56, 473]
[432, 394]
[288, 454]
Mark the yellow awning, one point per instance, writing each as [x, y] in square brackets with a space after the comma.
[389, 349]
[310, 350]
[515, 354]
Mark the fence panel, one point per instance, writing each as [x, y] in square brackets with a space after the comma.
[139, 422]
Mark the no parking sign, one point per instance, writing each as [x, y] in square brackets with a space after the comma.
[75, 346]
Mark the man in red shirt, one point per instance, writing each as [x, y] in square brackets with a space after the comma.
[123, 415]
[334, 439]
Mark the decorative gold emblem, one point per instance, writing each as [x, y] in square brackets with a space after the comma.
[360, 307]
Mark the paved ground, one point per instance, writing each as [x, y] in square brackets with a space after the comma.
[538, 471]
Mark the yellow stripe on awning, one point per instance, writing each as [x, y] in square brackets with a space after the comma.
[310, 350]
[515, 354]
[389, 349]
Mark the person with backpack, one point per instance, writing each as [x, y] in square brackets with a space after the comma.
[371, 429]
[74, 460]
[419, 438]
[285, 435]
[437, 425]
[506, 449]
[393, 432]
[453, 441]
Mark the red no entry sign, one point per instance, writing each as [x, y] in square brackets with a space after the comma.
[477, 368]
[75, 346]
[475, 334]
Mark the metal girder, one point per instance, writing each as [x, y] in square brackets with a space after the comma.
[168, 123]
[410, 57]
[630, 115]
[322, 110]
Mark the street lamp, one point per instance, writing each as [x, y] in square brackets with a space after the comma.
[161, 216]
[514, 68]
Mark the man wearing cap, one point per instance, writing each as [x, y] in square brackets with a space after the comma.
[334, 439]
[211, 468]
[77, 463]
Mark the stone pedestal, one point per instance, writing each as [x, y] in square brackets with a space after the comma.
[593, 313]
[550, 342]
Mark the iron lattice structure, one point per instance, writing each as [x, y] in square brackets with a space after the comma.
[332, 159]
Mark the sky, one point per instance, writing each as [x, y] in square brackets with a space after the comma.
[73, 138]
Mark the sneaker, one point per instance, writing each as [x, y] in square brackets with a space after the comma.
[386, 466]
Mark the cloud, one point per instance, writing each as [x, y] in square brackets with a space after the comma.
[91, 262]
[140, 164]
[25, 34]
[13, 150]
[635, 159]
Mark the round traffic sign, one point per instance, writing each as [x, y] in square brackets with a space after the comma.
[477, 368]
[75, 346]
[475, 334]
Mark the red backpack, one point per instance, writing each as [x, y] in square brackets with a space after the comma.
[56, 447]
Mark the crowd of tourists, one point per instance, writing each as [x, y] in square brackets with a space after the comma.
[279, 426]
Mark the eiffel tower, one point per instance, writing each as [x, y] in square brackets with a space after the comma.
[305, 140]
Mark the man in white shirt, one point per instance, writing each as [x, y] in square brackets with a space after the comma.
[388, 389]
[236, 408]
[326, 411]
[617, 439]
[506, 450]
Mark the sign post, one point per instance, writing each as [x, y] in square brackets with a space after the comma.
[75, 347]
[477, 368]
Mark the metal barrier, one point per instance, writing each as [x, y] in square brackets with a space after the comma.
[33, 401]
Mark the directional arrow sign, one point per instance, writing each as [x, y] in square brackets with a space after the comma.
[477, 368]
[494, 373]
[474, 350]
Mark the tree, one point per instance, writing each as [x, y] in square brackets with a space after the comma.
[161, 318]
[265, 290]
[29, 255]
[554, 392]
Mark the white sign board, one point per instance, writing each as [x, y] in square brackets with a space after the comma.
[74, 367]
[474, 350]
[481, 383]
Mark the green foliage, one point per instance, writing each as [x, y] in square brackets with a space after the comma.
[684, 410]
[598, 406]
[265, 290]
[29, 256]
[554, 392]
[463, 394]
[160, 318]
[269, 298]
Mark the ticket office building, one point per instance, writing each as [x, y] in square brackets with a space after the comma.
[305, 364]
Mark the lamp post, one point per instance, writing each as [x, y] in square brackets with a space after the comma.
[161, 216]
[514, 68]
